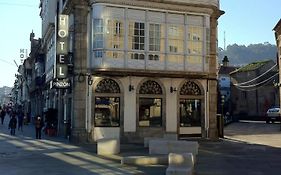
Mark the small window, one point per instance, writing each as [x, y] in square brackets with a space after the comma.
[173, 49]
[137, 56]
[153, 57]
[117, 28]
[98, 54]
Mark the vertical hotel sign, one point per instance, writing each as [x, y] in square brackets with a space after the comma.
[61, 79]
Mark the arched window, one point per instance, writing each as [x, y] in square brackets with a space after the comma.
[150, 87]
[107, 86]
[190, 88]
[150, 104]
[107, 104]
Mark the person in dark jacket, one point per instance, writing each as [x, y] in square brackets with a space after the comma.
[38, 126]
[20, 120]
[2, 115]
[13, 124]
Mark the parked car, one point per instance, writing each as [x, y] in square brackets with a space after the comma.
[272, 115]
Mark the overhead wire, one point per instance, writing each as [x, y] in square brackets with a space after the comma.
[253, 85]
[256, 86]
[238, 84]
[7, 62]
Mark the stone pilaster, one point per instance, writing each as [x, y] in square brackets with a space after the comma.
[213, 130]
[80, 12]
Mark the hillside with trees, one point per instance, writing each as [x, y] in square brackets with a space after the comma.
[239, 55]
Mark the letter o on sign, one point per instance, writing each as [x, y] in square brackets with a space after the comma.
[21, 55]
[62, 33]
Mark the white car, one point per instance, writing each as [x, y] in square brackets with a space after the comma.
[272, 114]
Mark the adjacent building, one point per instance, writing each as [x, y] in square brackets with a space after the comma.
[253, 91]
[277, 30]
[132, 68]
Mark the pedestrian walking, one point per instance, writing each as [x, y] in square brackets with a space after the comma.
[2, 115]
[20, 120]
[38, 126]
[13, 124]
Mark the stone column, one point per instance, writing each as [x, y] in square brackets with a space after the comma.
[80, 11]
[213, 77]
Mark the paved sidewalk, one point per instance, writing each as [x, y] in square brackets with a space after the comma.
[249, 148]
[23, 154]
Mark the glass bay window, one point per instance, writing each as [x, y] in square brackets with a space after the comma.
[144, 44]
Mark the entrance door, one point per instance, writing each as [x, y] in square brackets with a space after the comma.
[190, 117]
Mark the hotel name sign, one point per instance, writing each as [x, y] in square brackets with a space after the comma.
[61, 79]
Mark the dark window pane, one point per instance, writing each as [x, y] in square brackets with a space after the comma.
[141, 46]
[142, 33]
[141, 39]
[141, 56]
[190, 113]
[141, 25]
[107, 111]
[150, 57]
[136, 46]
[136, 32]
[136, 56]
[150, 112]
[156, 57]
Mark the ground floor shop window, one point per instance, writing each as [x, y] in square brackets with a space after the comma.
[107, 111]
[190, 112]
[150, 112]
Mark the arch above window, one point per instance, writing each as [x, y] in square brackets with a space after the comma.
[150, 87]
[190, 88]
[107, 86]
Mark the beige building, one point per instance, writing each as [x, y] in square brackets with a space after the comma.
[142, 68]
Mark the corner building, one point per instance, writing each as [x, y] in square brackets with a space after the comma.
[144, 68]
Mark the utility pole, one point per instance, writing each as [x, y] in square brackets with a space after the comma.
[224, 40]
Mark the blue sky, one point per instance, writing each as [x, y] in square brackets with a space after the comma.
[248, 21]
[18, 18]
[244, 22]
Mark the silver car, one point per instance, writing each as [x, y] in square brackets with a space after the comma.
[273, 114]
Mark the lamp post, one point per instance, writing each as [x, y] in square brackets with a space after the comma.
[221, 119]
[222, 104]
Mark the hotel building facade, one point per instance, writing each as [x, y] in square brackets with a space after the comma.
[141, 68]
